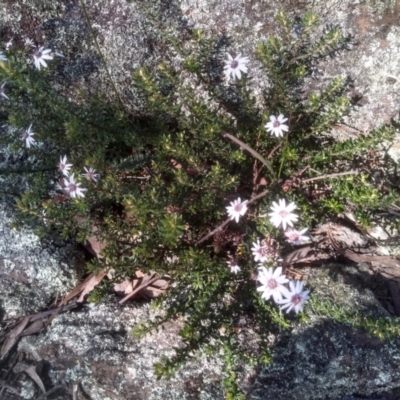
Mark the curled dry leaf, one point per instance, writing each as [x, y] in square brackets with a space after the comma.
[147, 286]
[84, 288]
[146, 281]
[123, 288]
[89, 284]
[74, 391]
[13, 337]
[33, 328]
[31, 371]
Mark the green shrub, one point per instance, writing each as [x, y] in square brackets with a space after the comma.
[167, 176]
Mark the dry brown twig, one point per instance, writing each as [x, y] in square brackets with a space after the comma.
[355, 172]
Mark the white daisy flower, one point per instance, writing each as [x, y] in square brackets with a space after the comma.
[9, 44]
[40, 56]
[282, 214]
[73, 187]
[237, 209]
[295, 298]
[234, 267]
[272, 283]
[2, 56]
[91, 174]
[296, 237]
[29, 42]
[27, 136]
[2, 91]
[63, 166]
[276, 126]
[235, 66]
[44, 213]
[261, 253]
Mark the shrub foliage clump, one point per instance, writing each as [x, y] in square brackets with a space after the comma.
[168, 173]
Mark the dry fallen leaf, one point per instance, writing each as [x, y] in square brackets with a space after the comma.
[95, 246]
[92, 281]
[305, 254]
[124, 287]
[34, 327]
[147, 280]
[31, 371]
[13, 336]
[84, 288]
[139, 283]
[74, 391]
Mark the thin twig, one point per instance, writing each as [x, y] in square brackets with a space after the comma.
[8, 387]
[331, 176]
[226, 222]
[397, 214]
[274, 150]
[213, 232]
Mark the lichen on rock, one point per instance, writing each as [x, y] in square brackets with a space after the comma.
[32, 276]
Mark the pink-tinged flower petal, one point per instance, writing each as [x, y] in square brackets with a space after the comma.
[272, 283]
[282, 214]
[295, 298]
[237, 209]
[40, 56]
[235, 66]
[276, 125]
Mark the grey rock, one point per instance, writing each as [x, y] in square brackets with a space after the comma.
[93, 347]
[330, 360]
[327, 360]
[32, 275]
[322, 359]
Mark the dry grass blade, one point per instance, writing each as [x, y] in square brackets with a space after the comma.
[31, 371]
[13, 336]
